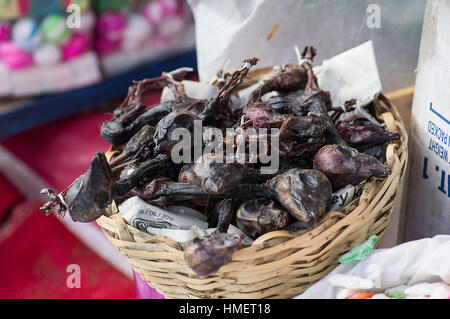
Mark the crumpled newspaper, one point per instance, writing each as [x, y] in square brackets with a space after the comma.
[182, 224]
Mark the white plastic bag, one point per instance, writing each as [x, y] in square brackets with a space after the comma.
[425, 260]
[235, 30]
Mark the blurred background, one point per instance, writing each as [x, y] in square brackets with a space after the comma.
[66, 64]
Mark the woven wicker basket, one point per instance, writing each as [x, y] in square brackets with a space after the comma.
[278, 264]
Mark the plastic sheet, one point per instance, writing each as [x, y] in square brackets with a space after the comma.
[425, 260]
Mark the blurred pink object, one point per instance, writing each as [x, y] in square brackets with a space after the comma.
[105, 45]
[14, 56]
[137, 32]
[111, 25]
[172, 26]
[5, 30]
[77, 45]
[88, 20]
[143, 290]
[157, 11]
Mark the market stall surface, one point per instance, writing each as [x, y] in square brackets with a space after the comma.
[38, 252]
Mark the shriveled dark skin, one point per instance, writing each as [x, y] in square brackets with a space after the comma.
[299, 136]
[127, 121]
[318, 102]
[299, 102]
[221, 214]
[89, 194]
[310, 102]
[287, 104]
[213, 175]
[294, 150]
[180, 113]
[344, 165]
[302, 136]
[360, 133]
[216, 178]
[142, 172]
[164, 191]
[132, 114]
[206, 256]
[119, 130]
[257, 217]
[145, 167]
[143, 138]
[217, 109]
[167, 125]
[224, 210]
[221, 99]
[304, 126]
[259, 115]
[304, 193]
[139, 147]
[338, 111]
[160, 165]
[185, 176]
[300, 126]
[291, 77]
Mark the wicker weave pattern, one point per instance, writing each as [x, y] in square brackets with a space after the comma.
[278, 264]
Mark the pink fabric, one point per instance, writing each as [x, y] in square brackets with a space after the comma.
[143, 290]
[35, 250]
[77, 45]
[14, 56]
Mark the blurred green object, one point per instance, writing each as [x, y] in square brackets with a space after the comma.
[359, 252]
[54, 29]
[111, 5]
[396, 294]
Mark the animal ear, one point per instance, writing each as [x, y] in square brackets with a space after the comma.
[99, 162]
[102, 199]
[100, 170]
